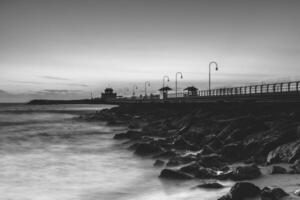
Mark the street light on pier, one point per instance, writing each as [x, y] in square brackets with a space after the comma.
[134, 87]
[176, 81]
[147, 83]
[209, 74]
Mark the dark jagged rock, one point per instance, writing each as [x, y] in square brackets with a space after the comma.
[246, 173]
[145, 149]
[210, 186]
[297, 192]
[166, 154]
[285, 153]
[295, 167]
[180, 160]
[174, 174]
[278, 170]
[191, 168]
[183, 144]
[159, 163]
[233, 151]
[273, 194]
[128, 135]
[212, 161]
[242, 190]
[219, 134]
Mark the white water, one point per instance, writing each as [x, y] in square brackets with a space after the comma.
[46, 154]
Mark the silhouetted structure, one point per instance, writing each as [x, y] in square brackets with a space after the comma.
[164, 92]
[191, 91]
[108, 94]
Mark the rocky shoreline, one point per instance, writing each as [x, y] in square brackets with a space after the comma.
[217, 141]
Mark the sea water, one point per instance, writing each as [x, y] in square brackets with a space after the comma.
[47, 153]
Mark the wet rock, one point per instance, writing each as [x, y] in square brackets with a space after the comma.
[207, 150]
[212, 161]
[273, 194]
[145, 149]
[233, 151]
[174, 174]
[246, 173]
[182, 144]
[180, 160]
[166, 154]
[215, 144]
[205, 173]
[297, 192]
[210, 186]
[159, 163]
[241, 191]
[128, 135]
[285, 153]
[295, 167]
[278, 170]
[134, 125]
[191, 168]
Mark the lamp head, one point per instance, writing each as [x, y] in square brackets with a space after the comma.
[217, 68]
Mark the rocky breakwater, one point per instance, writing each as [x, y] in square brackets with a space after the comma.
[206, 141]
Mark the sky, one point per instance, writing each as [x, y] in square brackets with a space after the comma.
[66, 49]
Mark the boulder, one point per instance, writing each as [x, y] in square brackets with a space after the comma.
[210, 186]
[233, 151]
[241, 191]
[285, 153]
[182, 144]
[175, 174]
[212, 161]
[159, 163]
[180, 160]
[205, 173]
[278, 170]
[145, 149]
[166, 154]
[297, 192]
[295, 167]
[245, 173]
[191, 168]
[273, 194]
[128, 135]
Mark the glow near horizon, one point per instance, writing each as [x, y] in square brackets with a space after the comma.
[89, 45]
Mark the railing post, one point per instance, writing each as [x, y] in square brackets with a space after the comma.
[274, 88]
[261, 88]
[267, 88]
[281, 85]
[297, 86]
[289, 86]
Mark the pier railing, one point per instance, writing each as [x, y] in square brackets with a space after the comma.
[270, 88]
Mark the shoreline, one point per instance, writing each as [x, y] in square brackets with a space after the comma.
[206, 141]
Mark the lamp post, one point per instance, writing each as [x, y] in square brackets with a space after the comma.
[134, 87]
[176, 81]
[209, 75]
[147, 83]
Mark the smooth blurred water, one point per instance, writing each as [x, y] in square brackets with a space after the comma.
[46, 153]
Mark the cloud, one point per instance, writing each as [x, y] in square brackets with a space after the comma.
[54, 91]
[77, 84]
[26, 82]
[54, 78]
